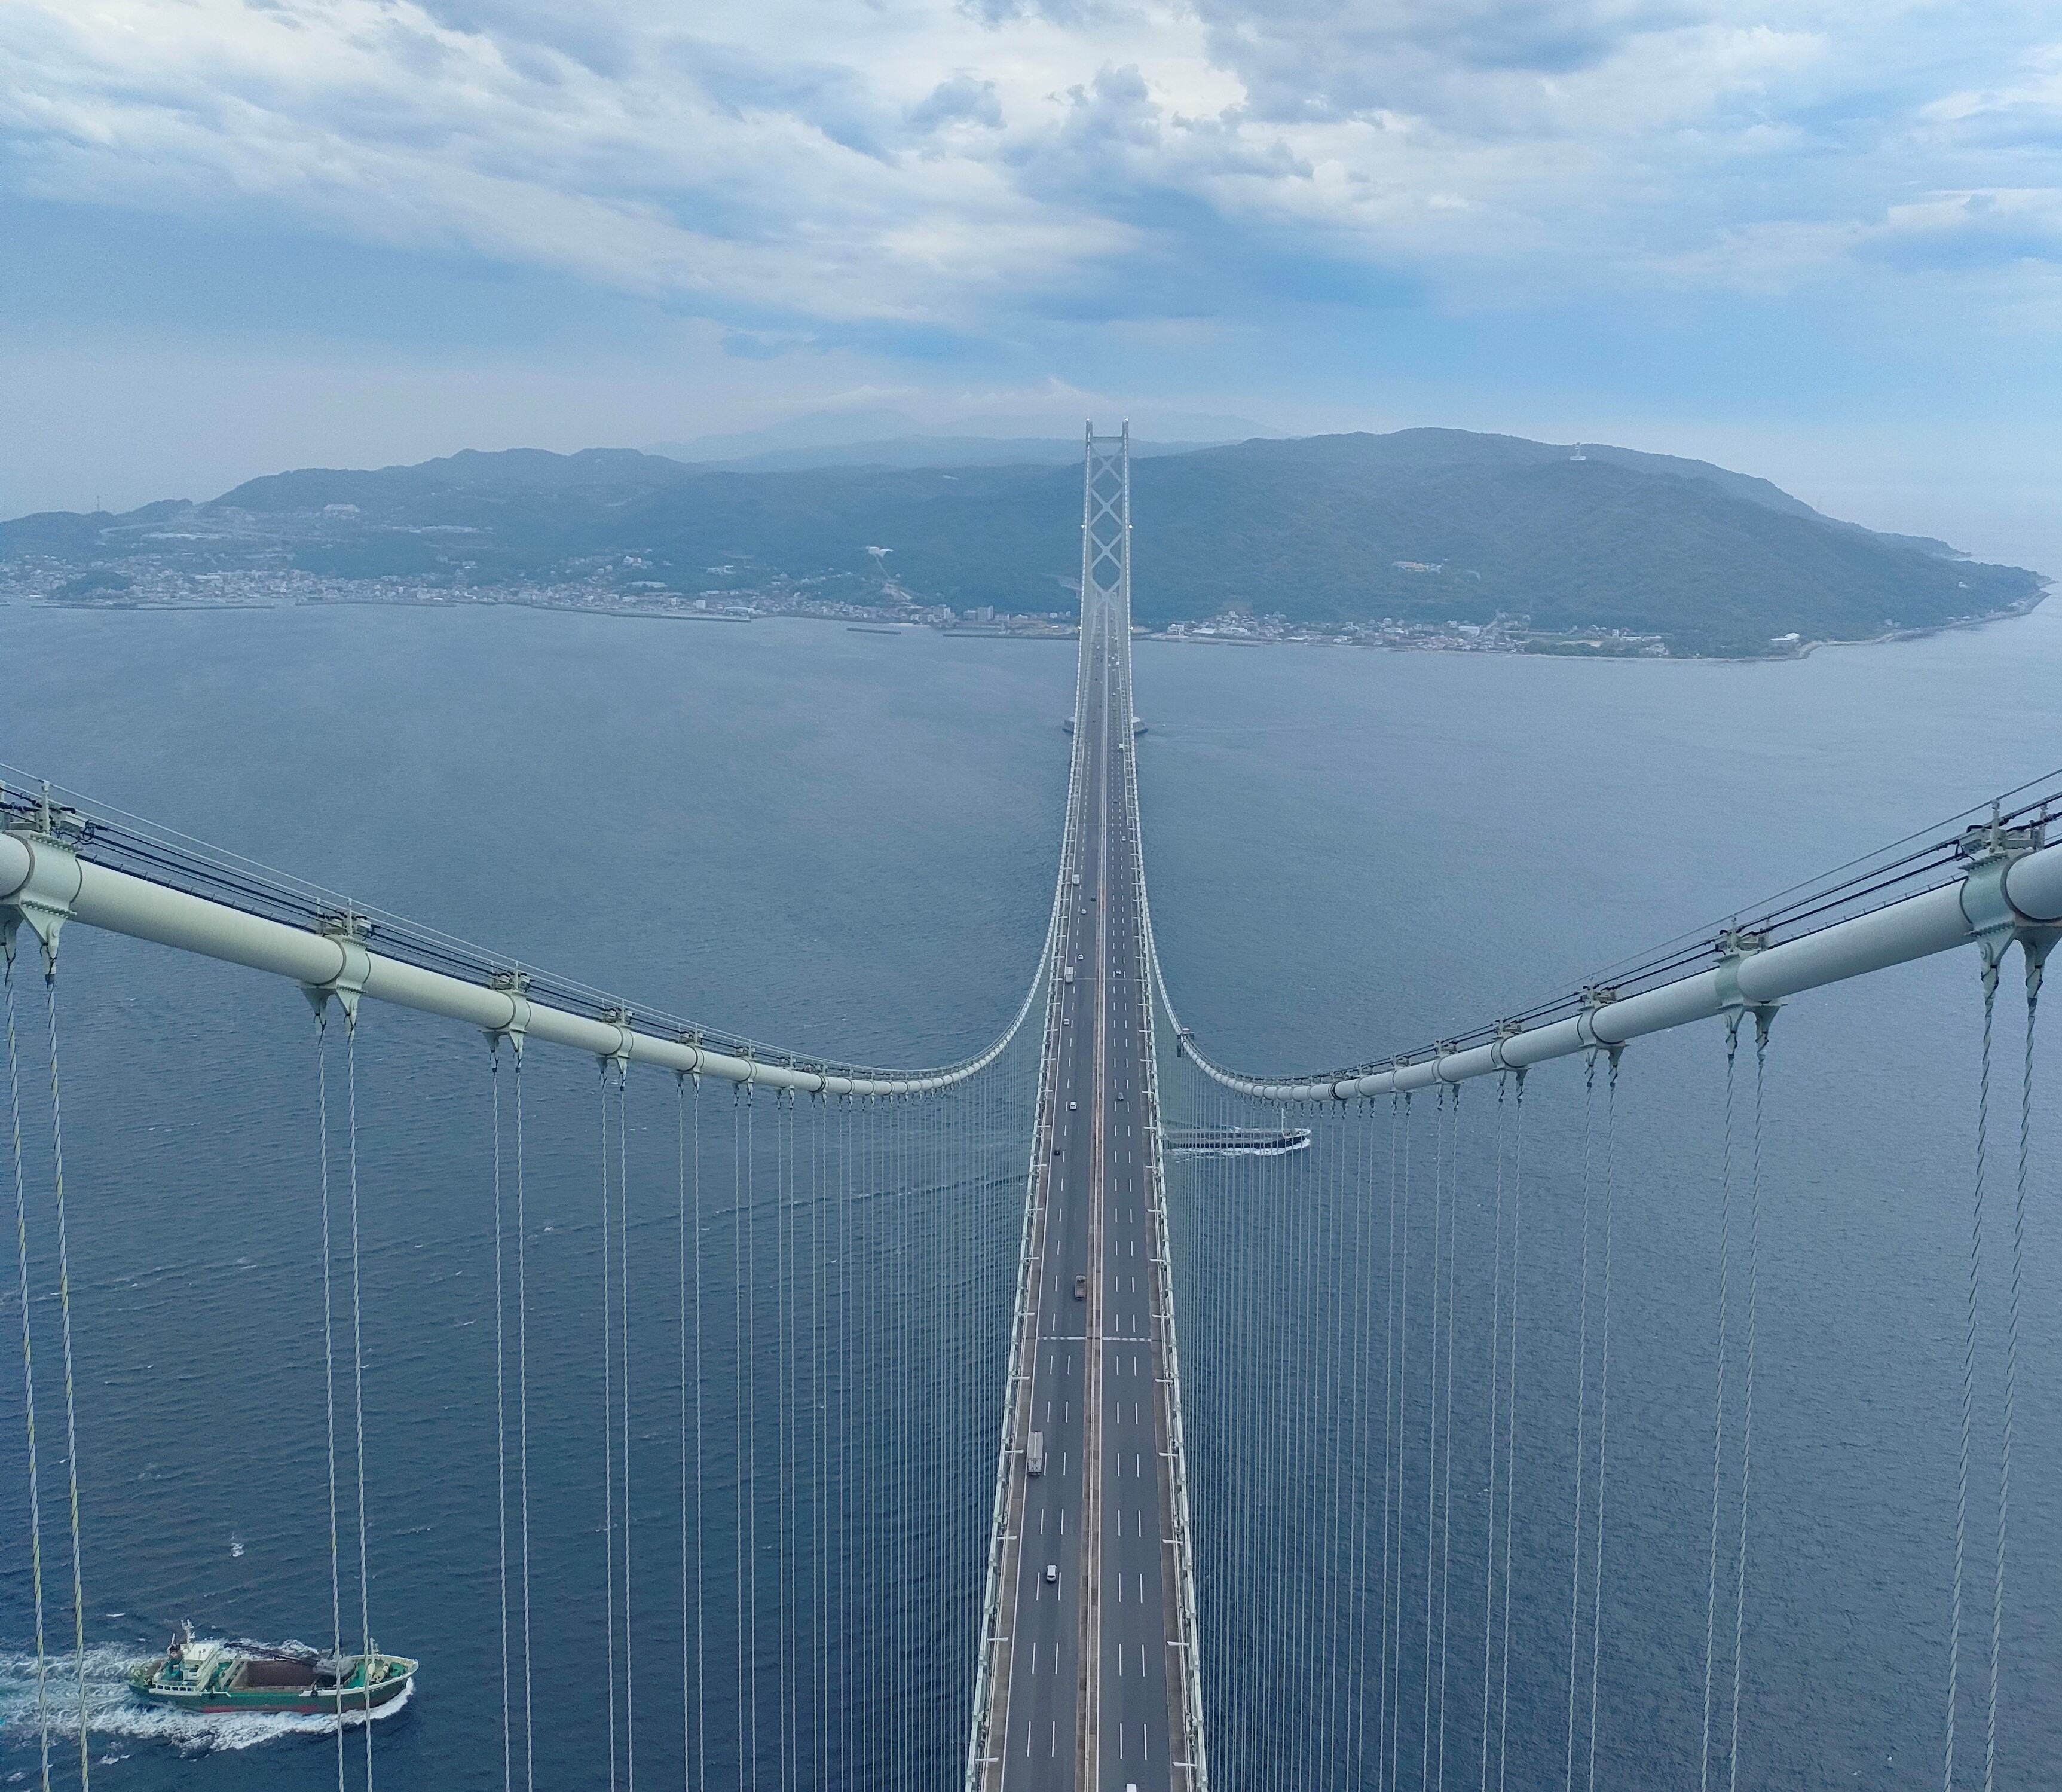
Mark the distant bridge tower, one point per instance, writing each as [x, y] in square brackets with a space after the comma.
[1106, 527]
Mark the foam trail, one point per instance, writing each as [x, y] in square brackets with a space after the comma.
[120, 1717]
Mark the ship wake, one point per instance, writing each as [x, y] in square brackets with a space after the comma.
[119, 1719]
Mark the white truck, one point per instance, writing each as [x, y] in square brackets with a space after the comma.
[1034, 1454]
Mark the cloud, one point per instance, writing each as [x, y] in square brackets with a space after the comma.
[953, 164]
[961, 100]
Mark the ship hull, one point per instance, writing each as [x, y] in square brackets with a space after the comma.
[300, 1703]
[214, 1681]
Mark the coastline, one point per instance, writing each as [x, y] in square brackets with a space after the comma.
[1591, 645]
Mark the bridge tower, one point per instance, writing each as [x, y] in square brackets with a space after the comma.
[1106, 526]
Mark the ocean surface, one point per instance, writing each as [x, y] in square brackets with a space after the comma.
[844, 843]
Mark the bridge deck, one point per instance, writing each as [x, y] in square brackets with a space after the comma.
[1088, 1684]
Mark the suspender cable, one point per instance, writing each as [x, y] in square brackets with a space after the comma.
[845, 1654]
[1304, 1379]
[522, 1420]
[71, 1419]
[1968, 1379]
[790, 1479]
[501, 1424]
[1287, 1302]
[2035, 954]
[1582, 1416]
[819, 1446]
[1432, 1422]
[1719, 1396]
[1495, 1380]
[695, 1705]
[329, 1366]
[749, 1475]
[788, 1559]
[741, 1691]
[1363, 1393]
[1603, 1412]
[29, 1371]
[1762, 1018]
[1402, 1379]
[2011, 1366]
[608, 1424]
[1446, 1489]
[687, 1456]
[780, 1603]
[1341, 1403]
[358, 1387]
[622, 1327]
[1510, 1422]
[1718, 1399]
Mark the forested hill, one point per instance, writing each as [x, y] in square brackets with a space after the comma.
[1430, 525]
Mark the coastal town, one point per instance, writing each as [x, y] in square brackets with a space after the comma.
[152, 583]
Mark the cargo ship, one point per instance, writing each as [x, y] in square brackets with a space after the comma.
[193, 1675]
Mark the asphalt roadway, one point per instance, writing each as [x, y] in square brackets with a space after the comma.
[1088, 1688]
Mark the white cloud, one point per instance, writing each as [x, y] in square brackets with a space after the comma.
[926, 162]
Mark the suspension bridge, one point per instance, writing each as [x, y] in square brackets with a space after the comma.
[951, 1381]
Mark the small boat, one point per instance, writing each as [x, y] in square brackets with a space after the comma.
[193, 1675]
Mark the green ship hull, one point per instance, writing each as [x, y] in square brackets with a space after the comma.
[210, 1677]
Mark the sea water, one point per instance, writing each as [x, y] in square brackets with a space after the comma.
[845, 842]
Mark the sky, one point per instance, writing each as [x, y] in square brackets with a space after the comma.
[1815, 240]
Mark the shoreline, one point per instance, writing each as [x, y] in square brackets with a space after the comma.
[889, 624]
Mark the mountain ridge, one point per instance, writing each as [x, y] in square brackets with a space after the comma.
[1443, 525]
